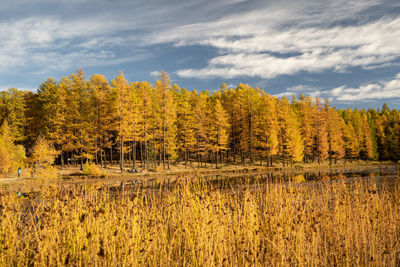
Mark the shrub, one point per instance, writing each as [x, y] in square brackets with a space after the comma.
[91, 169]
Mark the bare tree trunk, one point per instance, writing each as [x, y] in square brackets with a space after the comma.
[216, 159]
[62, 160]
[186, 158]
[145, 153]
[121, 159]
[96, 156]
[141, 155]
[134, 155]
[81, 156]
[111, 154]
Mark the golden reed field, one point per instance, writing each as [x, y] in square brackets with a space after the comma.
[198, 224]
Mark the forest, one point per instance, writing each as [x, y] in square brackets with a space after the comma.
[93, 120]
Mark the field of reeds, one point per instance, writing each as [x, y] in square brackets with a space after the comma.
[196, 223]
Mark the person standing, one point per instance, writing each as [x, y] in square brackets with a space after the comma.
[19, 172]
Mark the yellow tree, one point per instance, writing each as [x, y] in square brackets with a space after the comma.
[220, 129]
[103, 109]
[351, 141]
[123, 113]
[185, 121]
[321, 146]
[199, 102]
[268, 136]
[81, 112]
[367, 150]
[43, 154]
[227, 100]
[167, 111]
[307, 111]
[242, 122]
[12, 109]
[291, 144]
[335, 126]
[11, 156]
[144, 118]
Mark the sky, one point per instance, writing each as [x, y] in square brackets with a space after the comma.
[347, 51]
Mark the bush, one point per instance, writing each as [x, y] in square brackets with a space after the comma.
[48, 172]
[91, 169]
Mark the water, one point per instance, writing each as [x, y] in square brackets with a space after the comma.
[235, 182]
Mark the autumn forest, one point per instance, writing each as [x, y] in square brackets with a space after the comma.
[119, 122]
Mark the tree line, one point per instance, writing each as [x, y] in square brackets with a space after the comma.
[94, 120]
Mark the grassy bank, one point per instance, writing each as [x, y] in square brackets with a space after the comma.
[311, 224]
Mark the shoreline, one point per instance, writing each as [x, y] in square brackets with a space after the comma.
[116, 178]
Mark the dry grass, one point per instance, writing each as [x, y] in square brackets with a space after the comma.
[325, 223]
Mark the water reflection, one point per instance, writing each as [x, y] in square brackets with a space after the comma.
[237, 181]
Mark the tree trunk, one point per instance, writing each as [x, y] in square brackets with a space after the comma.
[141, 155]
[96, 156]
[134, 155]
[111, 154]
[164, 143]
[145, 153]
[81, 156]
[186, 158]
[121, 159]
[62, 160]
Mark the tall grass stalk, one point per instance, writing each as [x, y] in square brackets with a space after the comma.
[193, 224]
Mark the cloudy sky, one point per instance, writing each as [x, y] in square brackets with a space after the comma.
[344, 50]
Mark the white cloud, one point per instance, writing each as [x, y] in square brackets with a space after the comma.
[370, 92]
[155, 73]
[389, 89]
[260, 39]
[285, 39]
[301, 89]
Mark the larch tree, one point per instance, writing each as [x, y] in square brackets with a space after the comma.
[144, 119]
[167, 112]
[185, 123]
[199, 102]
[11, 156]
[12, 109]
[291, 145]
[268, 137]
[307, 112]
[123, 113]
[335, 125]
[367, 149]
[350, 141]
[321, 146]
[82, 116]
[103, 110]
[220, 129]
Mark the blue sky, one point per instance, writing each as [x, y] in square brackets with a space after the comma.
[347, 51]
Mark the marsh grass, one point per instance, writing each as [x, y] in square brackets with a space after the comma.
[327, 223]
